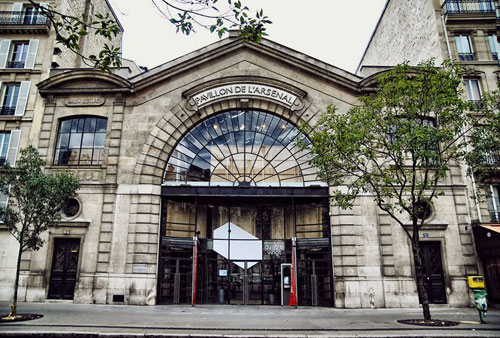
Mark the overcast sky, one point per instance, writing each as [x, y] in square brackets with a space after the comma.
[334, 31]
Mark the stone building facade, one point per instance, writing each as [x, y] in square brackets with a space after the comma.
[465, 32]
[193, 188]
[28, 53]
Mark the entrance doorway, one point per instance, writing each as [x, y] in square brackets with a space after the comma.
[64, 268]
[241, 248]
[433, 272]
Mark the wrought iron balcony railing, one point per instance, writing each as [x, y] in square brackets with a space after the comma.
[494, 216]
[16, 64]
[494, 55]
[492, 158]
[20, 18]
[469, 7]
[466, 56]
[6, 110]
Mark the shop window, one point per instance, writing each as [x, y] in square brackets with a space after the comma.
[473, 90]
[494, 46]
[18, 54]
[464, 47]
[14, 97]
[80, 141]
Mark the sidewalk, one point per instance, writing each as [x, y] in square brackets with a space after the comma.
[84, 320]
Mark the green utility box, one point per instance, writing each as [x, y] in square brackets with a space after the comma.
[476, 283]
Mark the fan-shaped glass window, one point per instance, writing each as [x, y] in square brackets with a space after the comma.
[241, 148]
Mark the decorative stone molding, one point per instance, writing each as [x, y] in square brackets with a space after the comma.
[245, 88]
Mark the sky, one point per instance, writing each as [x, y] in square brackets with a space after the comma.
[334, 31]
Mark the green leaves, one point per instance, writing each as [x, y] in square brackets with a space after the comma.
[36, 198]
[398, 145]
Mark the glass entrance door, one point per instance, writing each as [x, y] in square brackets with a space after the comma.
[246, 283]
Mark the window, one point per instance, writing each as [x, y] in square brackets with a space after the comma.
[464, 48]
[18, 54]
[81, 141]
[27, 15]
[493, 203]
[4, 146]
[494, 46]
[242, 148]
[9, 99]
[473, 91]
[14, 97]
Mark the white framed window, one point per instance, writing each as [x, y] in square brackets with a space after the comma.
[493, 202]
[464, 47]
[14, 97]
[18, 54]
[494, 46]
[473, 90]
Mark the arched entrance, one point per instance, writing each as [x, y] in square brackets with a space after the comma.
[239, 196]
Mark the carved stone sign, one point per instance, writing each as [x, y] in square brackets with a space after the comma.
[84, 101]
[243, 90]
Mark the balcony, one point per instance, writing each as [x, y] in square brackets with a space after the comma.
[20, 23]
[469, 10]
[466, 56]
[469, 7]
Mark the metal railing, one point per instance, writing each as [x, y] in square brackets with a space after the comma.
[469, 7]
[15, 64]
[494, 55]
[20, 18]
[494, 216]
[5, 110]
[492, 158]
[466, 56]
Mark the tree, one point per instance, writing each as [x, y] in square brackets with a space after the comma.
[399, 143]
[185, 15]
[36, 202]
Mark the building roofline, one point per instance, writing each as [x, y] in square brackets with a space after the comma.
[372, 36]
[114, 16]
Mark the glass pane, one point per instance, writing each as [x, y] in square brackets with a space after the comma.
[88, 141]
[99, 139]
[63, 141]
[74, 156]
[65, 126]
[98, 156]
[81, 124]
[90, 124]
[86, 157]
[75, 141]
[101, 125]
[74, 125]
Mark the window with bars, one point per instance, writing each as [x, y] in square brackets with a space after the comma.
[80, 141]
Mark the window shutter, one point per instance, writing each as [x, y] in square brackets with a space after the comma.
[31, 57]
[23, 98]
[17, 8]
[15, 136]
[4, 52]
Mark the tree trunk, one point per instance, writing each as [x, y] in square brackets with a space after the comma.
[13, 306]
[422, 292]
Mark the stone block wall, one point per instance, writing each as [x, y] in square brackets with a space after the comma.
[408, 30]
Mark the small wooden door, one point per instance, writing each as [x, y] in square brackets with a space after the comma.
[433, 272]
[64, 268]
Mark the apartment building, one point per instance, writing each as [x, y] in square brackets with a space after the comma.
[28, 54]
[466, 32]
